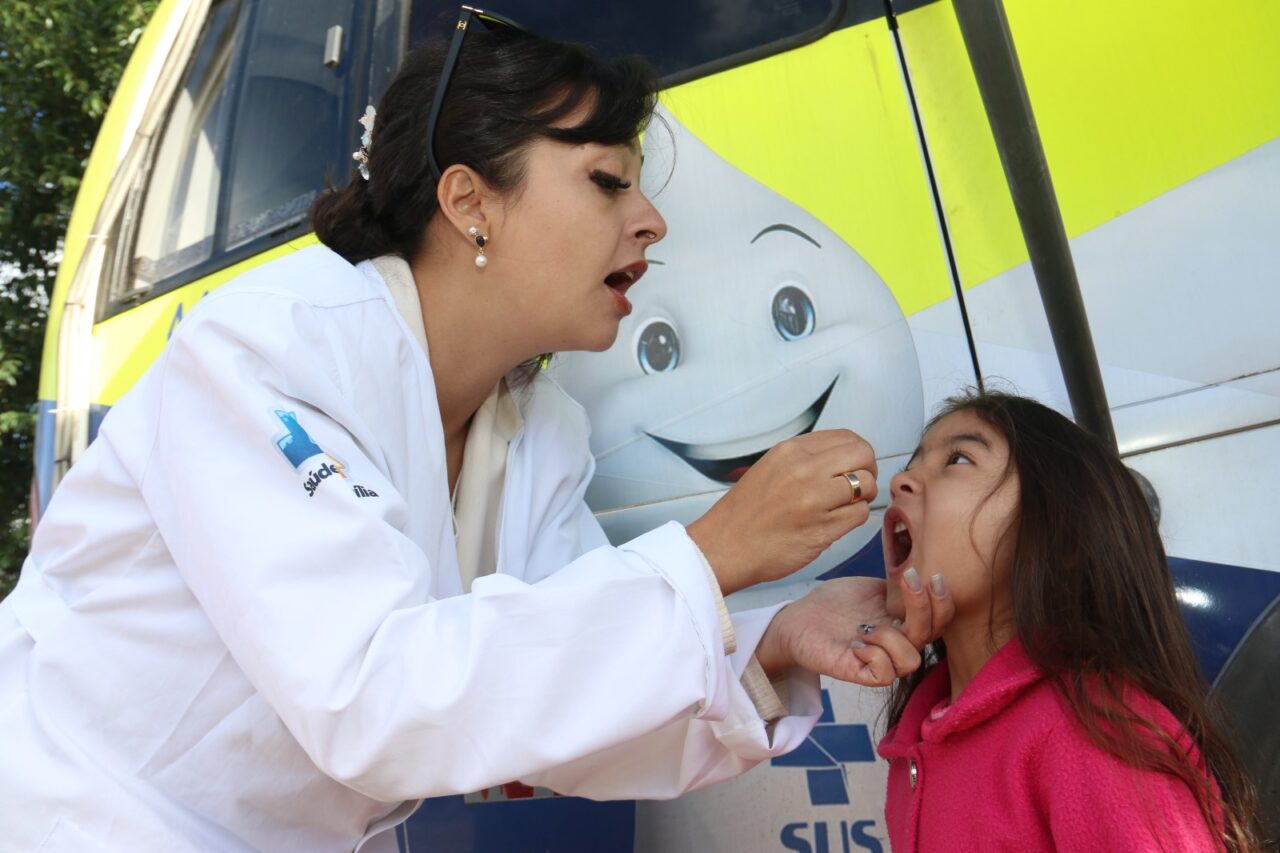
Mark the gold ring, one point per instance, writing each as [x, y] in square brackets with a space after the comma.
[855, 484]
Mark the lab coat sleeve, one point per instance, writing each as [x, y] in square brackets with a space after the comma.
[325, 604]
[689, 752]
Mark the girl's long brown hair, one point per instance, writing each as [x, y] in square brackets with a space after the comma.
[1094, 608]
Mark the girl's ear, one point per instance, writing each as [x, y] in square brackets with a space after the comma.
[465, 199]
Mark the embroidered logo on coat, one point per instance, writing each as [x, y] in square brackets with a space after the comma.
[297, 446]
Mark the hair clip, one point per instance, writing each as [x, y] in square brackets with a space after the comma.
[366, 139]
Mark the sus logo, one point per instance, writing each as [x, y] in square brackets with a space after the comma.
[828, 746]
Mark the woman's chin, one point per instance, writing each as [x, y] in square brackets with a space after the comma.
[599, 339]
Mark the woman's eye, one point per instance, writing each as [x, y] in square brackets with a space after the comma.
[958, 458]
[793, 314]
[609, 183]
[658, 348]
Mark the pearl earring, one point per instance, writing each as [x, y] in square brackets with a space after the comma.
[481, 260]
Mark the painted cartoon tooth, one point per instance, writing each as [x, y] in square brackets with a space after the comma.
[754, 323]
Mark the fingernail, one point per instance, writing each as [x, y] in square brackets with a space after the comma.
[857, 644]
[864, 628]
[938, 588]
[913, 579]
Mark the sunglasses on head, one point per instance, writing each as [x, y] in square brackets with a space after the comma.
[491, 21]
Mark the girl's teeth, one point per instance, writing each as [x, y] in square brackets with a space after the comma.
[899, 527]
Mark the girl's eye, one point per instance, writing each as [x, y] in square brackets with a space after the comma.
[658, 348]
[609, 183]
[958, 458]
[793, 314]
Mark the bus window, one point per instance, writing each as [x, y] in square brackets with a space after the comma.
[253, 130]
[682, 38]
[290, 107]
[177, 225]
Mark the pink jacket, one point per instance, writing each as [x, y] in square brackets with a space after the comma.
[1008, 767]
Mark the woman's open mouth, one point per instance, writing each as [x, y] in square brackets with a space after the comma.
[620, 281]
[727, 461]
[896, 535]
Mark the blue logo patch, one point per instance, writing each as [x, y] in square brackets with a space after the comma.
[296, 445]
[828, 746]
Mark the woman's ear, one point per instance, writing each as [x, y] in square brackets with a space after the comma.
[465, 199]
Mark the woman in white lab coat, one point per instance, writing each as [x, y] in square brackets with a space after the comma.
[331, 555]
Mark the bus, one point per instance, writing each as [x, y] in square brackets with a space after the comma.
[849, 245]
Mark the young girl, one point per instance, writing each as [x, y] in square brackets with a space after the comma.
[1064, 709]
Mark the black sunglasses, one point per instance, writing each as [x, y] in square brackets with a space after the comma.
[491, 21]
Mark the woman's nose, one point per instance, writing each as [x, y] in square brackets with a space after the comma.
[651, 227]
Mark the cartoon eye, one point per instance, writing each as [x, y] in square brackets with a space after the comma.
[793, 314]
[658, 347]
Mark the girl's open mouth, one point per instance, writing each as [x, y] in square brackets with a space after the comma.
[897, 540]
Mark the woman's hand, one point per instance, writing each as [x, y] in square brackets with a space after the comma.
[823, 631]
[787, 509]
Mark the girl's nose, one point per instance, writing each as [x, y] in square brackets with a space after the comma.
[904, 482]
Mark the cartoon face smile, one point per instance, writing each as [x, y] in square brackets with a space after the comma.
[754, 324]
[727, 461]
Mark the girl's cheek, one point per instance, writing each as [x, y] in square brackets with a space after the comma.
[893, 603]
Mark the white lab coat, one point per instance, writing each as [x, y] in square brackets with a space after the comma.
[210, 649]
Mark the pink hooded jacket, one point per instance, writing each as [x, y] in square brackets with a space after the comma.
[1008, 767]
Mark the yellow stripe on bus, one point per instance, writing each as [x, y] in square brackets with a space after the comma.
[1131, 99]
[93, 185]
[829, 127]
[127, 344]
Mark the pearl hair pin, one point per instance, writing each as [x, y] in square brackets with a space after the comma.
[361, 156]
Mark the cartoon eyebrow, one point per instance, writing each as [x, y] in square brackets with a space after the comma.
[790, 229]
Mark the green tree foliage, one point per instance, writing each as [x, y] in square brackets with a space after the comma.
[60, 61]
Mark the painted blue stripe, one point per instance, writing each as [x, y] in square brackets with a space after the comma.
[46, 427]
[96, 414]
[867, 563]
[1219, 601]
[562, 824]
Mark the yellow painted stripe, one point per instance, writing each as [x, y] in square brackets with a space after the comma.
[126, 345]
[829, 127]
[93, 186]
[1132, 99]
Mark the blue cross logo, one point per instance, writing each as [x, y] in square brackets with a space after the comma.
[829, 746]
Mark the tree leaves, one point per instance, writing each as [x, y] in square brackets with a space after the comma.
[60, 61]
